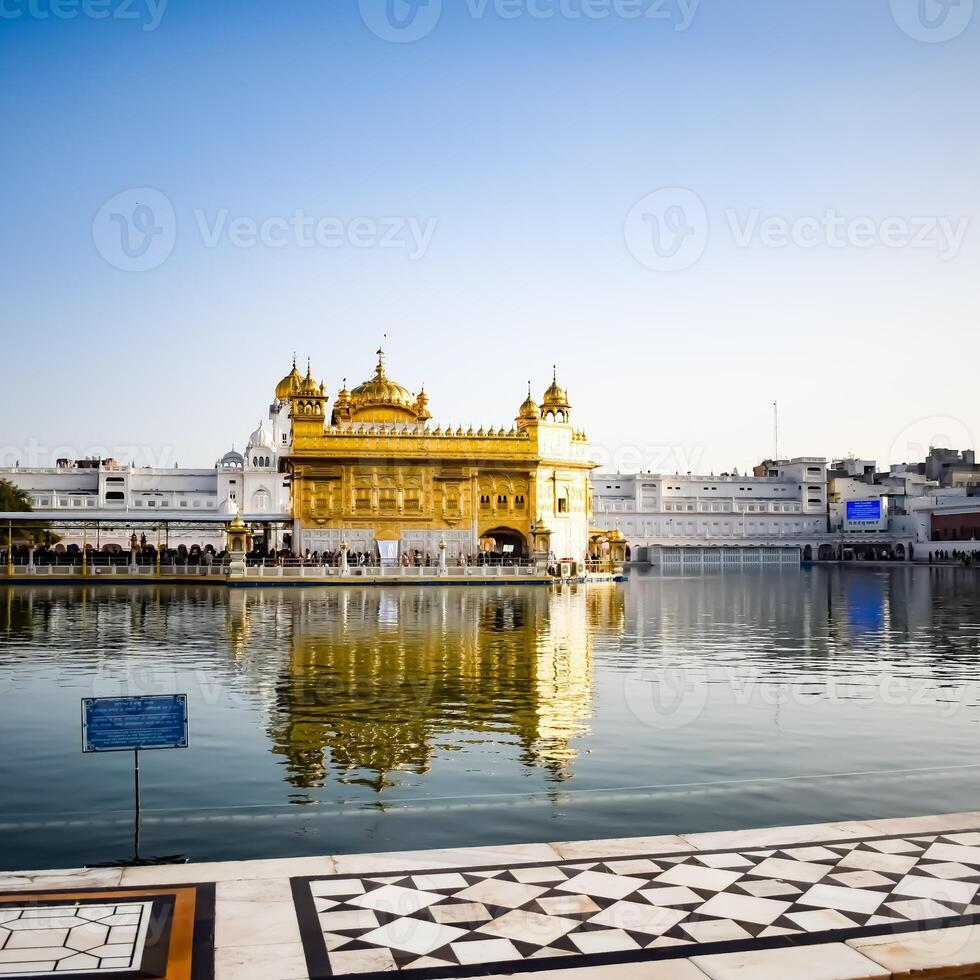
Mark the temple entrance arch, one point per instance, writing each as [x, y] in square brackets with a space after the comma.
[504, 541]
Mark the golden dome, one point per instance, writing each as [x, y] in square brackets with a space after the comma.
[289, 384]
[529, 410]
[555, 396]
[382, 393]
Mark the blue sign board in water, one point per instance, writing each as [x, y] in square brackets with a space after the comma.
[864, 510]
[126, 724]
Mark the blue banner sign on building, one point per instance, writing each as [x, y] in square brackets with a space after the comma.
[127, 724]
[864, 510]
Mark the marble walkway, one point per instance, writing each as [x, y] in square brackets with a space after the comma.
[885, 898]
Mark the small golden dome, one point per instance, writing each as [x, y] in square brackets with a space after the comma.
[555, 396]
[289, 384]
[529, 410]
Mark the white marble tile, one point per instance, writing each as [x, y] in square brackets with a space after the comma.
[485, 951]
[539, 876]
[635, 867]
[254, 890]
[764, 888]
[286, 962]
[821, 920]
[463, 857]
[728, 860]
[601, 884]
[933, 823]
[529, 927]
[938, 889]
[465, 912]
[343, 919]
[804, 871]
[895, 864]
[833, 961]
[919, 909]
[438, 881]
[778, 836]
[568, 905]
[694, 876]
[604, 941]
[812, 854]
[634, 917]
[507, 894]
[760, 911]
[671, 895]
[413, 935]
[179, 874]
[951, 869]
[337, 886]
[346, 962]
[715, 931]
[629, 846]
[842, 899]
[396, 900]
[74, 878]
[940, 952]
[255, 924]
[953, 852]
[858, 879]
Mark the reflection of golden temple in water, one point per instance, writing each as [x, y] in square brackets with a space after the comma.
[377, 678]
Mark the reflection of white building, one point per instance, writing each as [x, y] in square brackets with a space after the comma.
[782, 505]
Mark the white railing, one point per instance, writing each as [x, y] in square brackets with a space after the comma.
[313, 572]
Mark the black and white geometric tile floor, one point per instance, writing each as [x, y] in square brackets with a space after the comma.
[635, 908]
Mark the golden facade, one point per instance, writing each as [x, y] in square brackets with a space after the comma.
[373, 468]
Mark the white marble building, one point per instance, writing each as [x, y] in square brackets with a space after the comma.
[783, 506]
[247, 482]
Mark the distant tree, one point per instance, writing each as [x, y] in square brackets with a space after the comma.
[14, 500]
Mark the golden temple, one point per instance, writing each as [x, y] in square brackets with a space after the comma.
[371, 471]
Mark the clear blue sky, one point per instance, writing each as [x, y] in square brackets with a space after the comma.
[525, 142]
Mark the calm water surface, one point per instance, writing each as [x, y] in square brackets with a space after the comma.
[334, 720]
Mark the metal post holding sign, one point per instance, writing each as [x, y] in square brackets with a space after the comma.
[128, 724]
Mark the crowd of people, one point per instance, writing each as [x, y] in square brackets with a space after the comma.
[142, 552]
[966, 558]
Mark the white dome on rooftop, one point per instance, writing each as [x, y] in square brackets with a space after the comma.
[260, 439]
[228, 506]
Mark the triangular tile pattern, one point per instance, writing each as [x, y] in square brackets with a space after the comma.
[643, 906]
